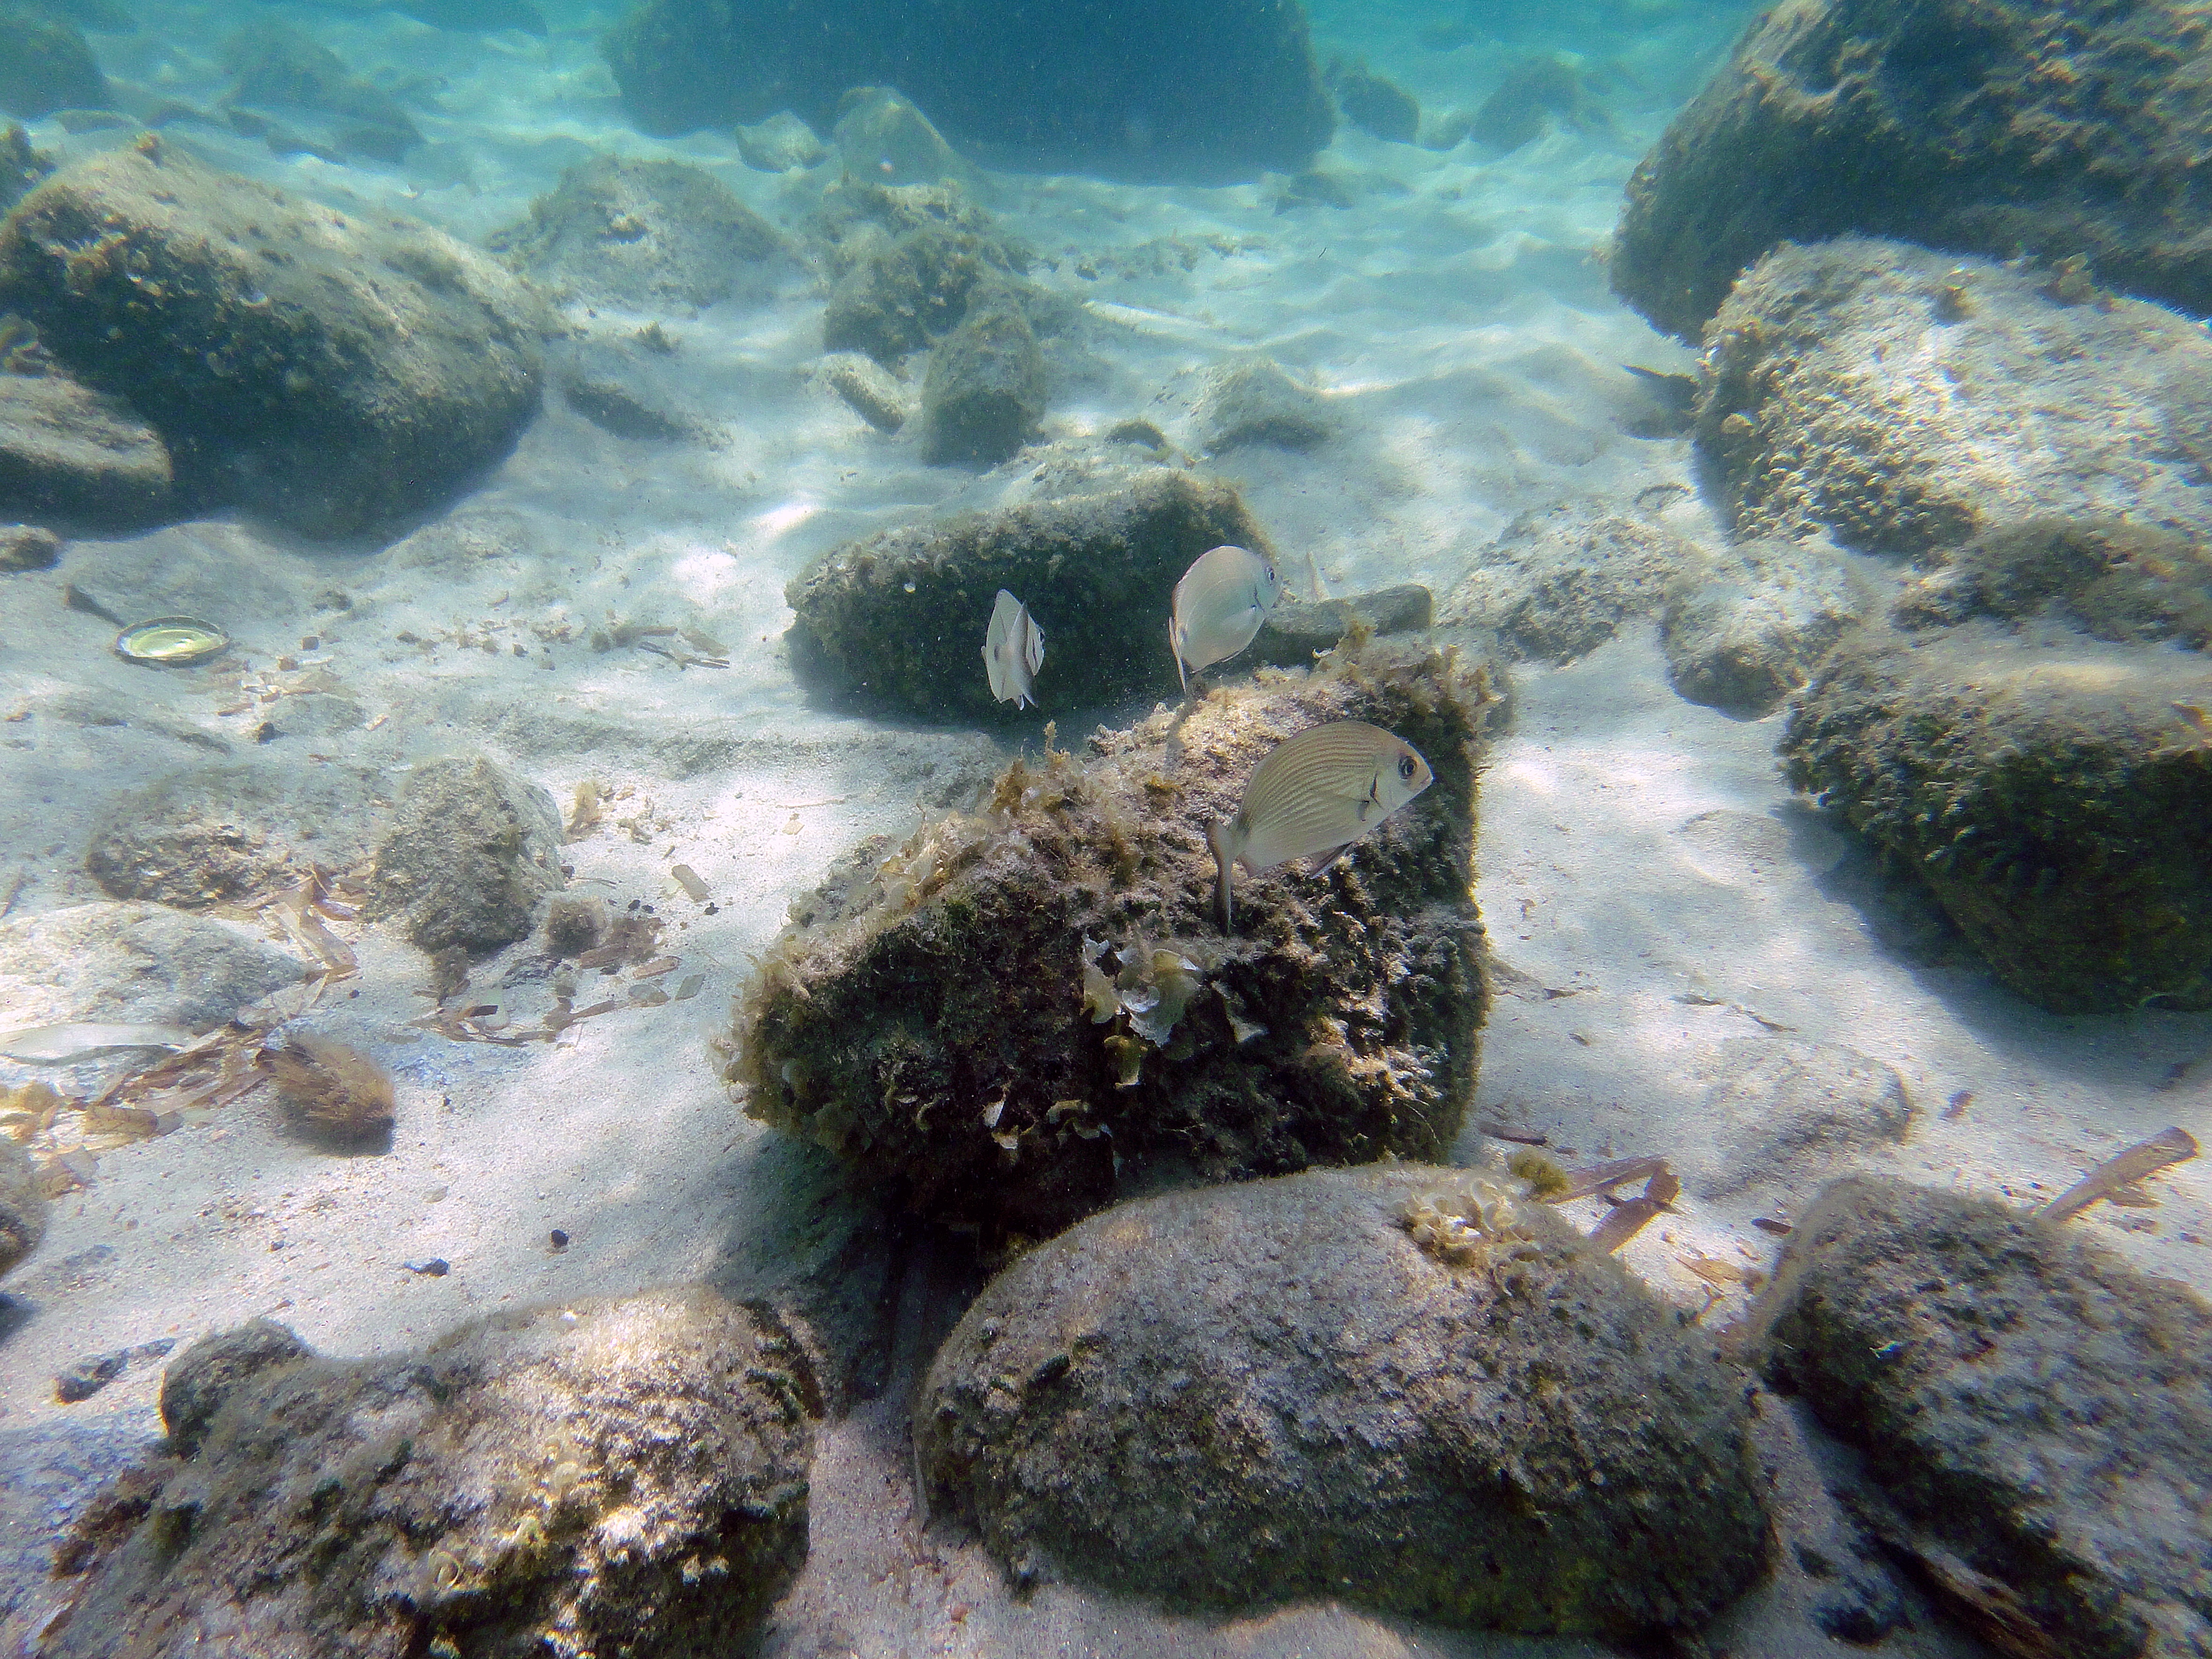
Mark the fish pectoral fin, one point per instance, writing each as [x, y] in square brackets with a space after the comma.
[1321, 861]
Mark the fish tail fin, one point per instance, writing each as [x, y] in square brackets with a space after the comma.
[1217, 837]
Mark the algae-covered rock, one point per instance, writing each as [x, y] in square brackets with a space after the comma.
[1257, 401]
[1744, 627]
[200, 1381]
[1273, 1390]
[882, 138]
[2111, 578]
[1373, 104]
[22, 1206]
[71, 454]
[1296, 631]
[902, 294]
[25, 547]
[297, 94]
[627, 1476]
[2040, 1411]
[1091, 537]
[1536, 93]
[994, 1017]
[2050, 789]
[643, 233]
[45, 65]
[1987, 126]
[985, 392]
[470, 850]
[1559, 582]
[209, 834]
[1902, 400]
[361, 372]
[20, 165]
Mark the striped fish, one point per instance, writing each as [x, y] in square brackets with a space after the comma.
[1013, 651]
[1220, 604]
[1313, 796]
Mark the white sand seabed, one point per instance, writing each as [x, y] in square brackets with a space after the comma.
[1634, 848]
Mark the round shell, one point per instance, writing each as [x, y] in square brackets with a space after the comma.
[170, 642]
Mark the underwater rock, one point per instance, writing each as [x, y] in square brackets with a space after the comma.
[1965, 124]
[1559, 582]
[866, 388]
[2039, 1410]
[2110, 578]
[1256, 401]
[2048, 788]
[1534, 93]
[1373, 104]
[210, 834]
[1901, 400]
[985, 392]
[21, 166]
[645, 234]
[1270, 1391]
[45, 65]
[22, 1205]
[1294, 632]
[1196, 90]
[1089, 534]
[200, 1381]
[297, 94]
[1778, 1109]
[882, 138]
[71, 453]
[627, 1476]
[470, 850]
[782, 144]
[993, 1018]
[1744, 627]
[364, 375]
[132, 964]
[903, 293]
[26, 547]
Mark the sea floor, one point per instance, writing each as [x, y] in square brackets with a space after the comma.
[1651, 886]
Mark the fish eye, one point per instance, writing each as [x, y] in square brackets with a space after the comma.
[1405, 768]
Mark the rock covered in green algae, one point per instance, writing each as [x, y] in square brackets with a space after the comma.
[361, 375]
[985, 392]
[22, 1205]
[45, 65]
[2037, 1409]
[1273, 1390]
[1093, 535]
[2050, 789]
[2111, 578]
[992, 1018]
[470, 850]
[1744, 627]
[627, 1476]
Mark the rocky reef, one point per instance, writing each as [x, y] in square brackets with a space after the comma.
[996, 1019]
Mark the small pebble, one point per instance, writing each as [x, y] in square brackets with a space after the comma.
[88, 1377]
[560, 1239]
[436, 1267]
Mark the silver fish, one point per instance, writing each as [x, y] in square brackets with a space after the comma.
[1313, 795]
[1013, 651]
[1220, 604]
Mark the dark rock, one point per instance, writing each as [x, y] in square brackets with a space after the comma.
[135, 964]
[360, 373]
[45, 65]
[618, 1477]
[1098, 532]
[903, 294]
[469, 853]
[27, 547]
[1374, 104]
[206, 1375]
[2046, 787]
[1745, 628]
[71, 453]
[1256, 401]
[939, 1026]
[22, 1205]
[298, 95]
[642, 233]
[88, 1377]
[21, 166]
[1273, 1391]
[1965, 124]
[613, 407]
[985, 392]
[1536, 93]
[1901, 400]
[211, 834]
[1560, 583]
[2038, 1410]
[1294, 633]
[1173, 90]
[2110, 578]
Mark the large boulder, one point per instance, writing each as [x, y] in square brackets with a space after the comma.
[1986, 126]
[2039, 1411]
[1091, 537]
[1409, 1389]
[993, 1019]
[297, 95]
[1200, 89]
[1745, 627]
[73, 455]
[617, 1477]
[985, 392]
[1559, 581]
[1902, 400]
[469, 853]
[2049, 788]
[331, 370]
[45, 65]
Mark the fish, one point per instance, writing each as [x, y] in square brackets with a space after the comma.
[1312, 796]
[1013, 651]
[1220, 604]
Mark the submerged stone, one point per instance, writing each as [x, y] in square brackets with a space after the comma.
[1020, 1008]
[472, 850]
[70, 455]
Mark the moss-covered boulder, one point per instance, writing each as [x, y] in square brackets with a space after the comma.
[1745, 627]
[1340, 1385]
[2050, 789]
[45, 65]
[22, 1205]
[1986, 126]
[994, 1017]
[298, 95]
[1091, 535]
[614, 1477]
[334, 371]
[902, 293]
[1902, 401]
[985, 392]
[2039, 1411]
[2111, 578]
[20, 165]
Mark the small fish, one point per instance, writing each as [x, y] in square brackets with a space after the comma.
[1313, 796]
[1220, 604]
[1013, 651]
